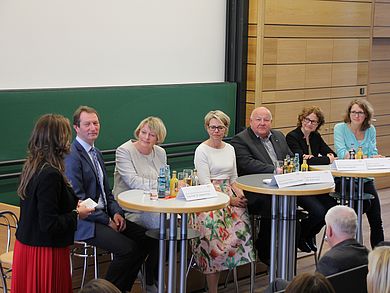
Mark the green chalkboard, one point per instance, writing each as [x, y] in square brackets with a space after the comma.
[181, 107]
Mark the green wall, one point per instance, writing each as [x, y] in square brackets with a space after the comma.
[181, 107]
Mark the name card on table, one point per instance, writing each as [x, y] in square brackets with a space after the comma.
[361, 165]
[197, 192]
[301, 178]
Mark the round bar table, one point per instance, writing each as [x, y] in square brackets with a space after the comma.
[136, 200]
[353, 174]
[283, 219]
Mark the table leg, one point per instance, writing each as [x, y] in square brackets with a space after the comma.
[274, 220]
[161, 259]
[359, 236]
[183, 255]
[284, 233]
[291, 262]
[351, 191]
[342, 191]
[172, 253]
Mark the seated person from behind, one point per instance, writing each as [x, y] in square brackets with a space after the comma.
[345, 253]
[105, 227]
[306, 141]
[378, 278]
[309, 282]
[99, 286]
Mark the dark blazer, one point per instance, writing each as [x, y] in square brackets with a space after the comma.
[297, 144]
[343, 256]
[251, 155]
[46, 217]
[81, 173]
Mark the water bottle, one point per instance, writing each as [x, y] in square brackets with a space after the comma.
[161, 183]
[296, 162]
[167, 180]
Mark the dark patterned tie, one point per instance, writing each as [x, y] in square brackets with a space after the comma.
[99, 174]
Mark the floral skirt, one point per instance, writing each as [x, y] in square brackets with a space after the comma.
[40, 269]
[225, 236]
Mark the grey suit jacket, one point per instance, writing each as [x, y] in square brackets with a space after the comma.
[251, 155]
[345, 255]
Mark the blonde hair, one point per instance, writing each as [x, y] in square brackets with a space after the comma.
[156, 125]
[220, 116]
[378, 278]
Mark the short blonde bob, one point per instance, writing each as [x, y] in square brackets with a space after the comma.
[378, 278]
[156, 125]
[220, 116]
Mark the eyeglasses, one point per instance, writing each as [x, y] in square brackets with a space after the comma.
[307, 120]
[357, 113]
[214, 128]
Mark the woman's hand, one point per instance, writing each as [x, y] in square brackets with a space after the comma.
[307, 157]
[331, 157]
[377, 156]
[240, 202]
[83, 211]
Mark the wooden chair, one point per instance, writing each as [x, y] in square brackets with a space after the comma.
[8, 221]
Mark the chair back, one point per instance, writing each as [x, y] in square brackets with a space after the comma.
[8, 223]
[352, 280]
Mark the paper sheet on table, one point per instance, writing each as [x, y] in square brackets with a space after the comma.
[361, 165]
[300, 178]
[377, 163]
[197, 192]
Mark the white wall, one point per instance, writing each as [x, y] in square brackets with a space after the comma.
[76, 43]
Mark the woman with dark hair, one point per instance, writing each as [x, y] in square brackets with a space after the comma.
[49, 211]
[357, 131]
[310, 283]
[99, 286]
[306, 141]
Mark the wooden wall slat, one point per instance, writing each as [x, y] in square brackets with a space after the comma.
[381, 103]
[380, 71]
[292, 31]
[349, 74]
[381, 49]
[338, 108]
[383, 145]
[382, 12]
[377, 88]
[303, 12]
[252, 49]
[381, 32]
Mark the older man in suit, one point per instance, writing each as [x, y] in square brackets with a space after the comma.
[345, 253]
[106, 227]
[257, 148]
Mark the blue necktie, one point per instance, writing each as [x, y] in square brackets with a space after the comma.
[99, 174]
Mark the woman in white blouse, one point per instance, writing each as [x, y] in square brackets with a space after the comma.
[225, 235]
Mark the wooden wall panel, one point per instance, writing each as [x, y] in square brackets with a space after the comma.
[380, 88]
[381, 103]
[383, 145]
[349, 74]
[315, 31]
[381, 49]
[380, 71]
[351, 50]
[304, 12]
[252, 48]
[251, 77]
[338, 108]
[382, 12]
[381, 32]
[382, 120]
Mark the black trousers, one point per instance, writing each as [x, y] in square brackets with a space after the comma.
[317, 207]
[129, 247]
[372, 209]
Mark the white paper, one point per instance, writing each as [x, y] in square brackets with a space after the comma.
[89, 203]
[350, 165]
[197, 192]
[377, 163]
[300, 178]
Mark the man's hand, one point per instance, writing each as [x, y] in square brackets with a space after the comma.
[119, 222]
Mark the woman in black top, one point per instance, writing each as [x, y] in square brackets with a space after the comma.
[49, 211]
[306, 141]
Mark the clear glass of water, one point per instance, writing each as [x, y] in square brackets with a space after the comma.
[278, 167]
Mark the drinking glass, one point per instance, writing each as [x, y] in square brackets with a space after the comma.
[278, 167]
[147, 186]
[180, 178]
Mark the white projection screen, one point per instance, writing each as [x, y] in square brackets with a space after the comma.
[88, 43]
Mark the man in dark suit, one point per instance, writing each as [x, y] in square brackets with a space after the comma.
[105, 227]
[345, 253]
[257, 148]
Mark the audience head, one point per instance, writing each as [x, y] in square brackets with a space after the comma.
[99, 286]
[221, 118]
[312, 117]
[261, 121]
[86, 124]
[310, 283]
[378, 277]
[361, 111]
[341, 223]
[152, 126]
[49, 142]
